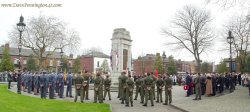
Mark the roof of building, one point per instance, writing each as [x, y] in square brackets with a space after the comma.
[28, 52]
[96, 54]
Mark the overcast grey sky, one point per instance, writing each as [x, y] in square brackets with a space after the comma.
[96, 19]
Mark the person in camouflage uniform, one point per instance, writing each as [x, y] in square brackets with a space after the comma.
[107, 84]
[129, 91]
[168, 90]
[86, 88]
[123, 87]
[143, 88]
[197, 82]
[98, 86]
[159, 84]
[153, 86]
[78, 82]
[138, 84]
[148, 83]
[119, 86]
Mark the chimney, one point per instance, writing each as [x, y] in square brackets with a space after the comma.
[7, 45]
[71, 55]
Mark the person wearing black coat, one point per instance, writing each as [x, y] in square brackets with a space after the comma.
[214, 84]
[220, 83]
[188, 83]
[239, 78]
[9, 79]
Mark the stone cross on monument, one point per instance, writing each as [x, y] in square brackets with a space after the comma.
[121, 53]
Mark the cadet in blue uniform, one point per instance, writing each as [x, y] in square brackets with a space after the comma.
[51, 85]
[60, 84]
[36, 83]
[29, 81]
[69, 85]
[42, 82]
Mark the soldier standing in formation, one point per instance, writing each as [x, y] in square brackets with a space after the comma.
[139, 88]
[36, 83]
[119, 86]
[168, 90]
[78, 82]
[51, 85]
[57, 84]
[29, 81]
[98, 88]
[43, 82]
[123, 87]
[107, 84]
[129, 91]
[69, 85]
[159, 84]
[148, 89]
[197, 82]
[86, 88]
[60, 84]
[143, 89]
[153, 86]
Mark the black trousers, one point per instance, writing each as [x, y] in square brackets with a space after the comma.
[9, 83]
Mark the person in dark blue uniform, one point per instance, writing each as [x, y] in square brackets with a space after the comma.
[43, 82]
[69, 85]
[60, 84]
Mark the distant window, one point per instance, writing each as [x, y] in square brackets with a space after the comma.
[24, 62]
[16, 61]
[50, 62]
[98, 63]
[58, 63]
[70, 64]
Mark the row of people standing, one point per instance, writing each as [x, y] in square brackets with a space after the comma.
[145, 88]
[100, 92]
[44, 83]
[209, 84]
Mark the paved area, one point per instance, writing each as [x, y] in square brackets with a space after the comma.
[238, 101]
[116, 103]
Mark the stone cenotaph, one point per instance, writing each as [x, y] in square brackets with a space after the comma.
[121, 58]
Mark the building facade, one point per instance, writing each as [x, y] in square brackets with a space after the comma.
[92, 62]
[51, 63]
[144, 64]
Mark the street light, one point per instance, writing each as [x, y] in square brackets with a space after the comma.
[20, 27]
[163, 58]
[230, 40]
[61, 53]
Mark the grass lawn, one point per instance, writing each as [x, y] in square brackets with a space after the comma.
[12, 102]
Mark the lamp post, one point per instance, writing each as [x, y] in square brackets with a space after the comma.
[230, 40]
[61, 53]
[20, 26]
[163, 58]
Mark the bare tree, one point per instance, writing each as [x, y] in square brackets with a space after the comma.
[240, 28]
[225, 4]
[46, 33]
[189, 30]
